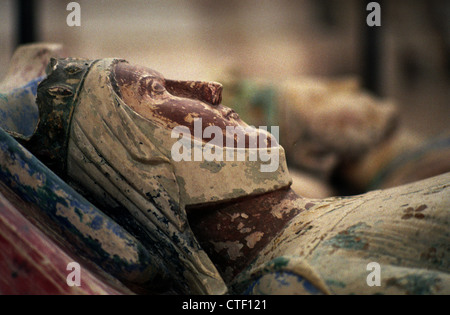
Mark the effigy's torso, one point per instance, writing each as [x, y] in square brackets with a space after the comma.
[329, 247]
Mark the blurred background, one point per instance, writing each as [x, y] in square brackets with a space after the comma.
[407, 58]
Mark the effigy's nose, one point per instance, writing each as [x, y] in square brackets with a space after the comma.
[209, 92]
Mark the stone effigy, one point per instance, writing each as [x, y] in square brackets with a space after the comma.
[322, 120]
[333, 129]
[282, 243]
[211, 226]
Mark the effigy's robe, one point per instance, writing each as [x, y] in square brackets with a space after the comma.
[330, 247]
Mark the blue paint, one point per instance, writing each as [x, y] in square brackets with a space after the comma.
[417, 284]
[285, 278]
[18, 110]
[31, 86]
[97, 223]
[308, 286]
[47, 197]
[335, 283]
[352, 238]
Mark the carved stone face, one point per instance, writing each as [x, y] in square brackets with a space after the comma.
[174, 103]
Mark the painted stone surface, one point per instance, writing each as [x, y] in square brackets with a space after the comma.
[31, 263]
[404, 229]
[105, 127]
[70, 217]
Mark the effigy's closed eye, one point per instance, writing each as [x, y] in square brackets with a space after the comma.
[150, 86]
[157, 88]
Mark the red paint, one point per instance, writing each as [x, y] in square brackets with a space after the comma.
[31, 263]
